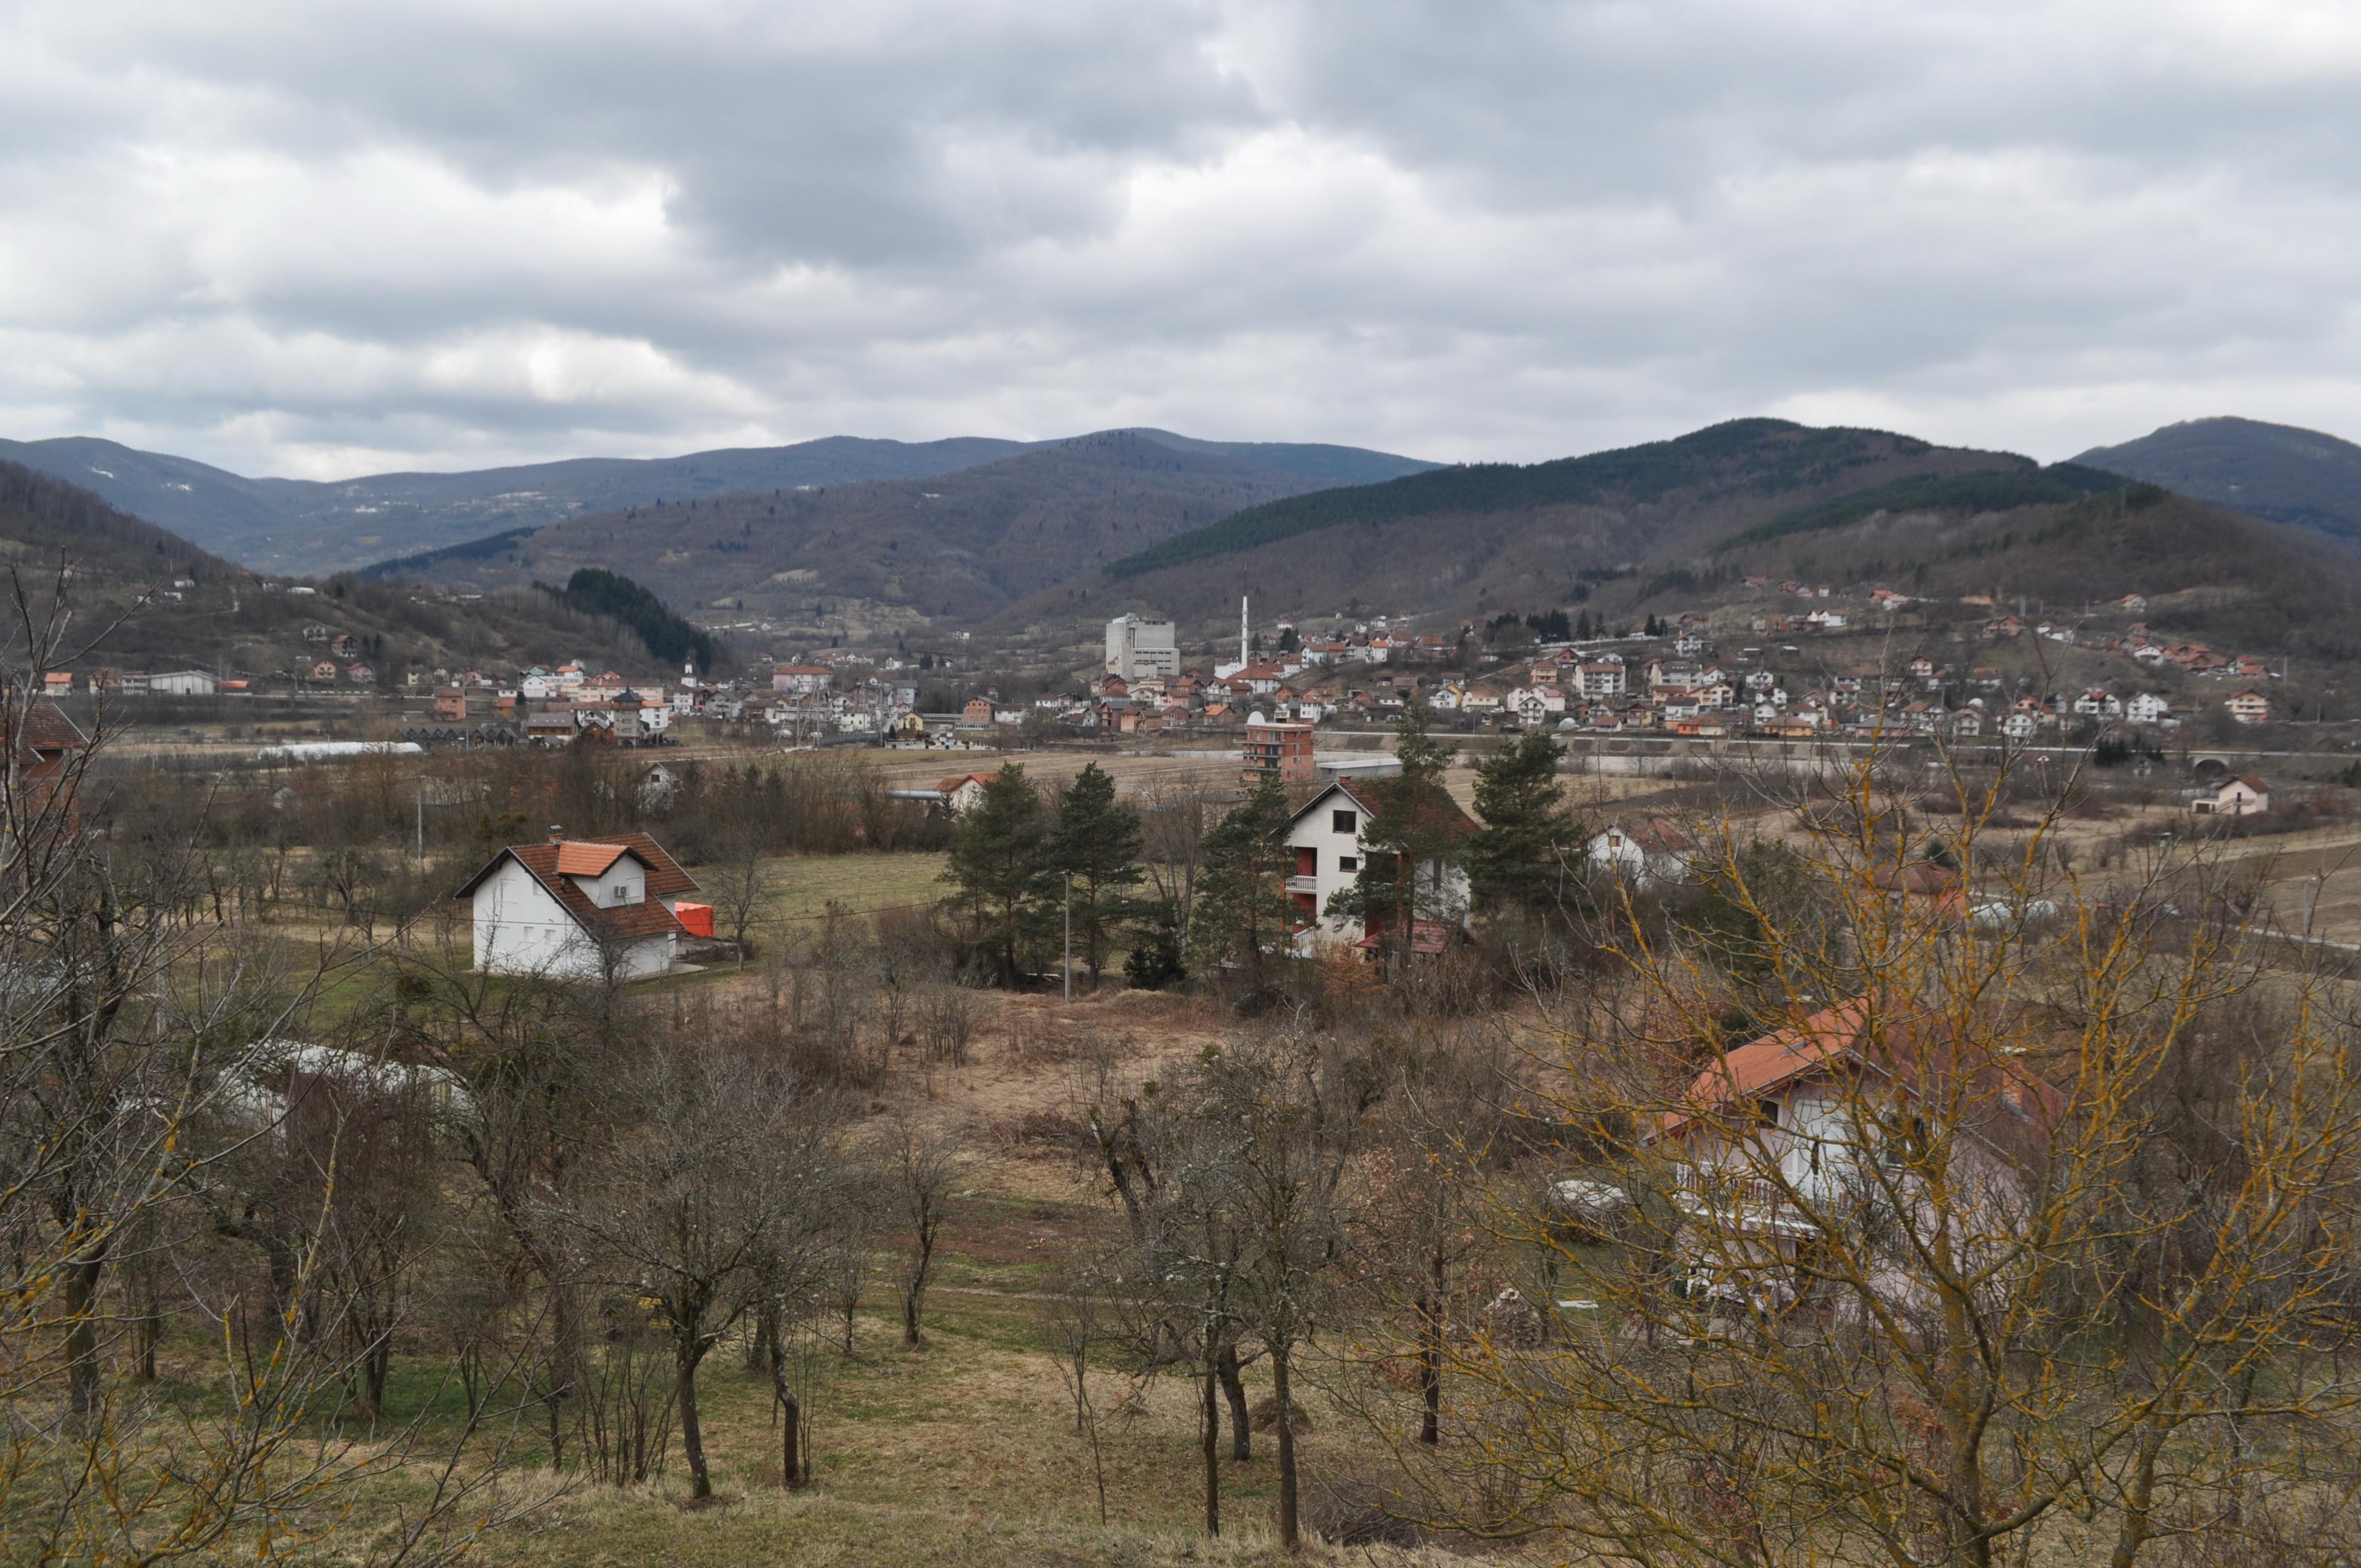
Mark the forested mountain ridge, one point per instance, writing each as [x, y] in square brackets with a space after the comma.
[164, 604]
[308, 526]
[893, 553]
[1466, 538]
[2275, 471]
[1682, 524]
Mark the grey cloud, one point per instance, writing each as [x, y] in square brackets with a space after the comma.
[314, 239]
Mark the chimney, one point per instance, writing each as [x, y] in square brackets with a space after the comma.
[556, 834]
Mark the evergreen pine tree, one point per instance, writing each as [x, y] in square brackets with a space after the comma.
[1097, 843]
[996, 870]
[1514, 861]
[1241, 909]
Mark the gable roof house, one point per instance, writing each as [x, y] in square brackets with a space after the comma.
[1797, 1129]
[2243, 795]
[1327, 839]
[1651, 851]
[577, 909]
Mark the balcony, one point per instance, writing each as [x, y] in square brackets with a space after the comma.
[1303, 884]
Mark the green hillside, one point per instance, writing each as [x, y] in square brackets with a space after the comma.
[1971, 493]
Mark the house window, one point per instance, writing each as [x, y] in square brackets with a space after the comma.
[1348, 862]
[1344, 821]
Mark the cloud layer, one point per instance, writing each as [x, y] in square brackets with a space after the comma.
[319, 240]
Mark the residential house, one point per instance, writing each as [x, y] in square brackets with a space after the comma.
[962, 792]
[1275, 750]
[2148, 707]
[1804, 1114]
[2242, 796]
[323, 670]
[979, 710]
[1650, 850]
[1327, 839]
[2249, 706]
[579, 909]
[450, 705]
[40, 741]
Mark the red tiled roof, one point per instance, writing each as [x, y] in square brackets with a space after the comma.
[578, 858]
[40, 726]
[1775, 1059]
[551, 865]
[1425, 937]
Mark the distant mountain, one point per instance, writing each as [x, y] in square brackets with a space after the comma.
[165, 604]
[1473, 537]
[1681, 524]
[2275, 471]
[301, 525]
[891, 555]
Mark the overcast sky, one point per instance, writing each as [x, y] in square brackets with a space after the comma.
[314, 241]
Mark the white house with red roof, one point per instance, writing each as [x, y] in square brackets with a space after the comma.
[1811, 1127]
[579, 909]
[1651, 850]
[1325, 839]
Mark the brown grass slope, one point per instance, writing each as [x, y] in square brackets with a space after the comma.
[952, 548]
[225, 622]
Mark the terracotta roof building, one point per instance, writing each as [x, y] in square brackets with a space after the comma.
[579, 909]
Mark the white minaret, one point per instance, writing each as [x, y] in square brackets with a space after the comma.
[1246, 639]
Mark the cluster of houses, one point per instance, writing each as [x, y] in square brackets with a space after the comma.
[1682, 692]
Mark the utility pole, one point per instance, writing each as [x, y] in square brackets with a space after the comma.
[421, 822]
[1070, 936]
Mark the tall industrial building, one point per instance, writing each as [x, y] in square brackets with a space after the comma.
[1138, 646]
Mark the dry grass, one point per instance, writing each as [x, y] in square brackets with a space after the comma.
[859, 884]
[964, 1451]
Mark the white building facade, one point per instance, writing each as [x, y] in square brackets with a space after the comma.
[1140, 646]
[577, 910]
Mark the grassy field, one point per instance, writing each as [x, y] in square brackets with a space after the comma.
[805, 886]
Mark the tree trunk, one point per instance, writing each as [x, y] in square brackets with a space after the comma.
[152, 1321]
[1234, 1388]
[1212, 1435]
[1430, 1353]
[83, 1277]
[692, 1436]
[1290, 1535]
[769, 1351]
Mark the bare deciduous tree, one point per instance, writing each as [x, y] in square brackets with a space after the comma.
[723, 1167]
[921, 1169]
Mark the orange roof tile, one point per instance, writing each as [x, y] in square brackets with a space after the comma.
[577, 859]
